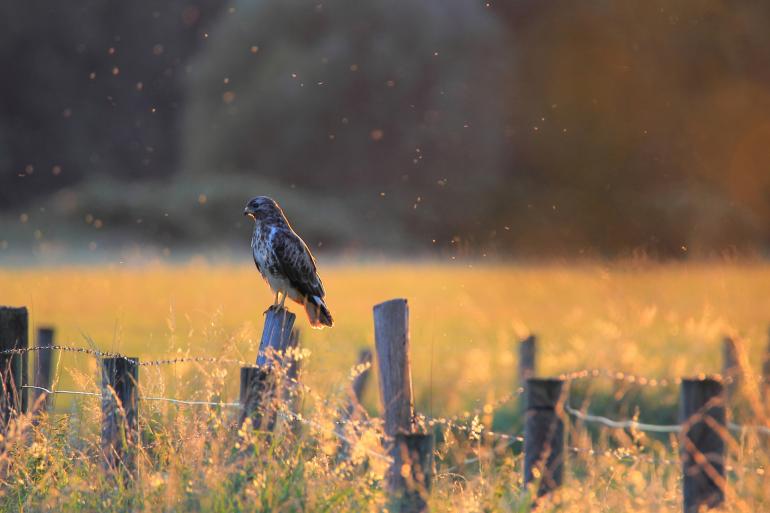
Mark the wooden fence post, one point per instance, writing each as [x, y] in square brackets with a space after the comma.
[276, 334]
[257, 385]
[731, 368]
[14, 334]
[527, 356]
[410, 473]
[391, 338]
[43, 367]
[766, 373]
[360, 381]
[702, 449]
[412, 455]
[353, 409]
[527, 370]
[120, 414]
[544, 434]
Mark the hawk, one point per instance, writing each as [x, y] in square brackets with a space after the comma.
[285, 261]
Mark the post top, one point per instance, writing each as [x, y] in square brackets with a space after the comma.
[543, 392]
[392, 303]
[703, 380]
[13, 309]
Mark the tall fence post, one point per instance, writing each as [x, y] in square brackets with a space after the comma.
[544, 434]
[120, 414]
[410, 485]
[43, 367]
[731, 368]
[391, 338]
[702, 448]
[410, 474]
[14, 335]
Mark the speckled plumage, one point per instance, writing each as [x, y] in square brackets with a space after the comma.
[285, 261]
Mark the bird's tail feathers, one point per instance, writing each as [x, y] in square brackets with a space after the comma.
[318, 313]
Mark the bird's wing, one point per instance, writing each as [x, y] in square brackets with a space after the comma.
[297, 263]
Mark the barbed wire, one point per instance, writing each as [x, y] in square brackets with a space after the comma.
[455, 422]
[623, 424]
[655, 428]
[575, 375]
[108, 354]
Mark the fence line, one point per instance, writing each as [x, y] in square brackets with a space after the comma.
[511, 439]
[575, 375]
[450, 422]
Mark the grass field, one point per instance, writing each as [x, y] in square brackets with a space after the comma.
[657, 321]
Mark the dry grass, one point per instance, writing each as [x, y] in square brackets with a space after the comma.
[655, 321]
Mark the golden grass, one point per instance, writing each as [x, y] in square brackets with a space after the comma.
[658, 321]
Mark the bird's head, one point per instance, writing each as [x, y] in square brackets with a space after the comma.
[261, 207]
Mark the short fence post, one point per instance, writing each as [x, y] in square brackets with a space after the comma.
[544, 434]
[14, 328]
[43, 368]
[360, 381]
[702, 449]
[391, 338]
[258, 383]
[255, 397]
[276, 334]
[410, 486]
[120, 413]
[731, 368]
[766, 372]
[354, 400]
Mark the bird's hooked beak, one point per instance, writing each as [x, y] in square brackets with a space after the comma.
[248, 212]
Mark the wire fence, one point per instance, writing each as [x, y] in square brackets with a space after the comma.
[475, 428]
[455, 422]
[467, 422]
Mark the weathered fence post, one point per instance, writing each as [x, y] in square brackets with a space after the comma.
[731, 368]
[359, 382]
[410, 473]
[43, 368]
[766, 372]
[702, 448]
[527, 370]
[276, 334]
[412, 455]
[257, 385]
[391, 338]
[14, 328]
[527, 355]
[353, 407]
[120, 414]
[544, 434]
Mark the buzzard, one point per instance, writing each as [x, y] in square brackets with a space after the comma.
[285, 261]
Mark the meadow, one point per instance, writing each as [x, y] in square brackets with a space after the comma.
[466, 321]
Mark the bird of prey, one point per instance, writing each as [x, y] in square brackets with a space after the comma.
[285, 261]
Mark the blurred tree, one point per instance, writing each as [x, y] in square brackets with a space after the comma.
[526, 127]
[391, 105]
[644, 126]
[92, 88]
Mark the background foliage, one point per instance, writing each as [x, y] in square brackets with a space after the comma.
[539, 128]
